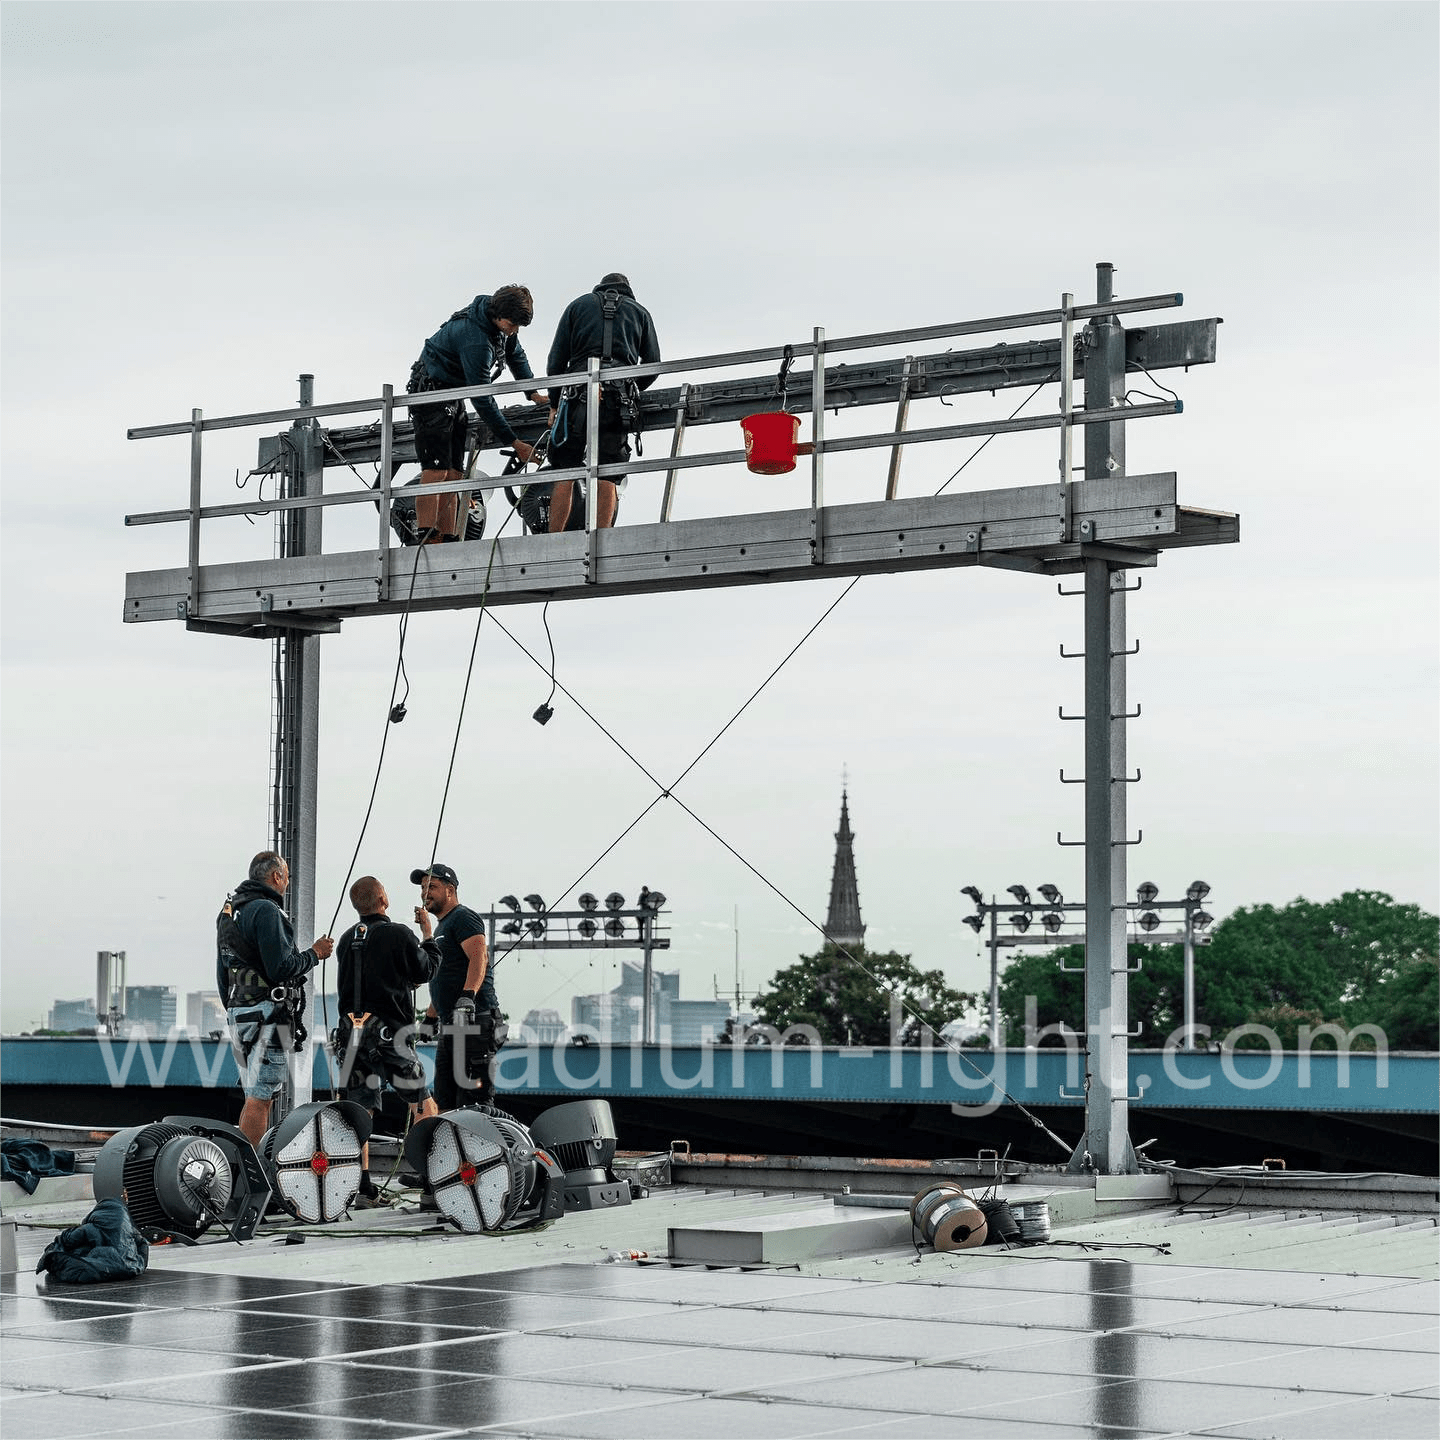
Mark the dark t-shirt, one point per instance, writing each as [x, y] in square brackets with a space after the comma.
[393, 963]
[458, 926]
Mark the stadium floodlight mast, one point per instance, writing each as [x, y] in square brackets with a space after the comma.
[510, 930]
[1193, 931]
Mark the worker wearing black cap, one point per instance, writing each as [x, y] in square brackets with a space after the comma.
[462, 994]
[610, 323]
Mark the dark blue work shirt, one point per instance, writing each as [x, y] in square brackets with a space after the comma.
[450, 933]
[464, 351]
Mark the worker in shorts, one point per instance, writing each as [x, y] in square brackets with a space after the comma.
[379, 964]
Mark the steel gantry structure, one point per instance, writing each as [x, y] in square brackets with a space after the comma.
[1100, 528]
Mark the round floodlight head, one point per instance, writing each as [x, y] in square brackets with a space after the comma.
[1146, 892]
[1021, 922]
[1196, 890]
[587, 928]
[589, 902]
[535, 926]
[974, 894]
[1052, 921]
[1052, 895]
[1149, 921]
[314, 1155]
[614, 901]
[478, 1168]
[1202, 920]
[651, 900]
[510, 902]
[534, 902]
[1021, 894]
[511, 927]
[974, 922]
[615, 927]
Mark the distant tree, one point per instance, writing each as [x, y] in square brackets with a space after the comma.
[844, 994]
[1360, 959]
[1157, 992]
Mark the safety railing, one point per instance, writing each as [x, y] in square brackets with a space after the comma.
[388, 402]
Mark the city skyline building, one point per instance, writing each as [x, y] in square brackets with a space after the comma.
[615, 1017]
[151, 1007]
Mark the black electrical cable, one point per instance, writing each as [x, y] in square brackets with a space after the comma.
[391, 718]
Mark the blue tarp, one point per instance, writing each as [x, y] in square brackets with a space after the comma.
[105, 1245]
[27, 1162]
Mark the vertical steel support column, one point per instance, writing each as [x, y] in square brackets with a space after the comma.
[994, 979]
[1104, 383]
[387, 436]
[192, 602]
[647, 931]
[1106, 1147]
[817, 457]
[592, 468]
[1189, 976]
[1067, 404]
[298, 736]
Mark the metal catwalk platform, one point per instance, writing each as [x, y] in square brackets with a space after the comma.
[1098, 527]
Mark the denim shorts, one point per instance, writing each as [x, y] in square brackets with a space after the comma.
[260, 1053]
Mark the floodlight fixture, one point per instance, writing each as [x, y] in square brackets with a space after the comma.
[587, 929]
[180, 1175]
[535, 902]
[1149, 921]
[615, 927]
[1146, 892]
[536, 926]
[1021, 894]
[1052, 921]
[511, 902]
[614, 901]
[651, 900]
[511, 927]
[1021, 922]
[485, 1171]
[1196, 890]
[315, 1157]
[1052, 894]
[974, 894]
[1202, 919]
[589, 902]
[974, 922]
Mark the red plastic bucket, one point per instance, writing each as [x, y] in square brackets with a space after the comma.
[770, 442]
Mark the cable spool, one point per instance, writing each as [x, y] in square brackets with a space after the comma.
[945, 1187]
[1000, 1222]
[1033, 1219]
[948, 1218]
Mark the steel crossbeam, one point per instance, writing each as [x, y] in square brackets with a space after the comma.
[1126, 522]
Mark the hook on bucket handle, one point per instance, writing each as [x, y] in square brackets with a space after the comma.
[782, 379]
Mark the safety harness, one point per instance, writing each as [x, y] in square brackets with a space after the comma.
[623, 395]
[246, 984]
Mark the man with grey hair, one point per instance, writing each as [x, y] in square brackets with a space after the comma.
[260, 974]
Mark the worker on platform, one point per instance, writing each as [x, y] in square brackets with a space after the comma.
[260, 974]
[378, 965]
[462, 994]
[612, 324]
[473, 347]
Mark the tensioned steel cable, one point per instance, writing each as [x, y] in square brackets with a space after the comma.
[668, 792]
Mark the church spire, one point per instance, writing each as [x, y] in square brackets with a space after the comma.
[843, 924]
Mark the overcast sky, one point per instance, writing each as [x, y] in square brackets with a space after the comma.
[201, 201]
